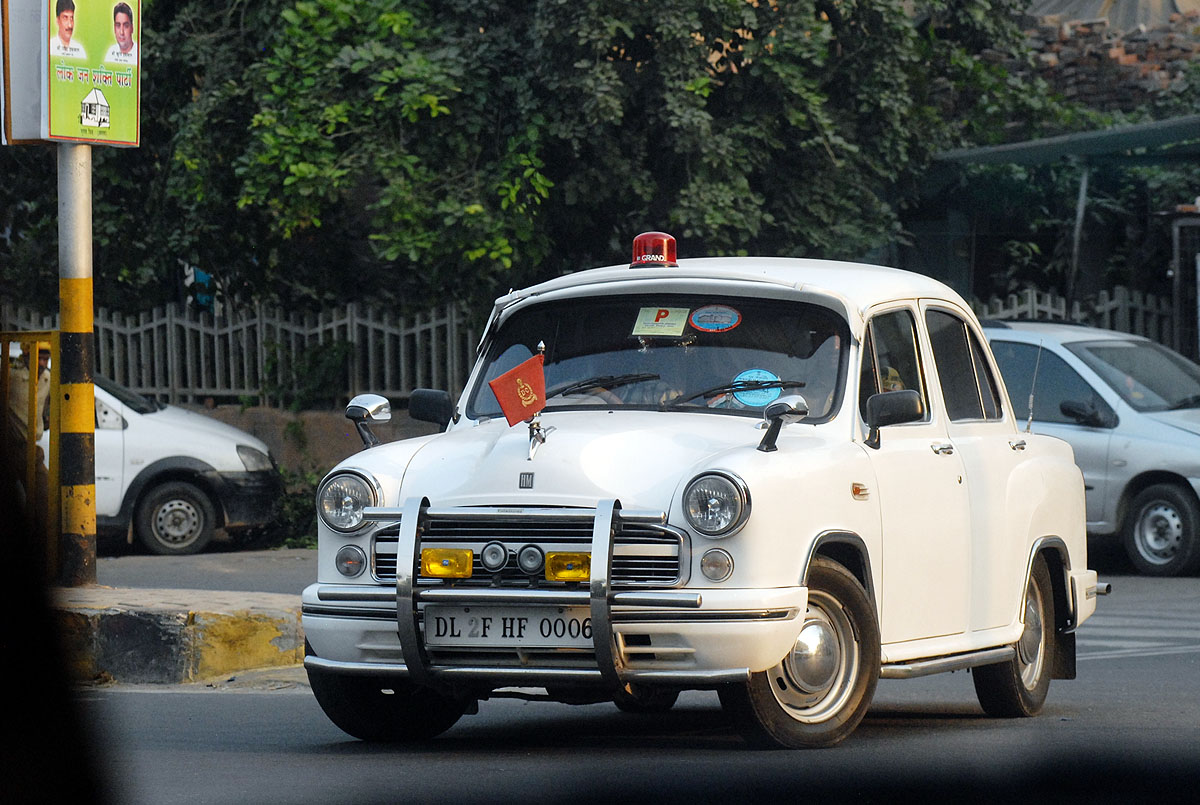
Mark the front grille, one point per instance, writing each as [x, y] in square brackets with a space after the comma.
[643, 555]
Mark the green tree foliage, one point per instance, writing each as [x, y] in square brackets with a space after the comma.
[413, 151]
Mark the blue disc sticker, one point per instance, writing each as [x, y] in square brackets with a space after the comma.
[756, 398]
[715, 318]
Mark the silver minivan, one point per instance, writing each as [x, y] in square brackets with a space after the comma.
[1130, 408]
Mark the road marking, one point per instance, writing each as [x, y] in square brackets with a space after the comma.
[1138, 633]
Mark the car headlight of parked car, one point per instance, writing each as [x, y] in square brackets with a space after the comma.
[716, 504]
[342, 498]
[254, 460]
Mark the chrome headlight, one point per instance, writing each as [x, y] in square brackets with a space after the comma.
[716, 504]
[341, 500]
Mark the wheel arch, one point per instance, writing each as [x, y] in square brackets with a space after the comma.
[850, 551]
[1053, 551]
[176, 468]
[1143, 481]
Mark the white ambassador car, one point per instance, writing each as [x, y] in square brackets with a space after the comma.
[1130, 409]
[780, 479]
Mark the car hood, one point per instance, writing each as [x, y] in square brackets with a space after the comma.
[1187, 419]
[202, 427]
[638, 457]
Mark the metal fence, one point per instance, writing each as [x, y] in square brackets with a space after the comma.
[264, 355]
[1120, 309]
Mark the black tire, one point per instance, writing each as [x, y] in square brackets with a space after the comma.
[780, 708]
[1017, 688]
[1162, 531]
[386, 710]
[646, 700]
[175, 518]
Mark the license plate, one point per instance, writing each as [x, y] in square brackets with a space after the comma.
[500, 626]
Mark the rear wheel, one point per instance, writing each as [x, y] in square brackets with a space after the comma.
[1019, 686]
[1161, 531]
[375, 709]
[175, 518]
[817, 695]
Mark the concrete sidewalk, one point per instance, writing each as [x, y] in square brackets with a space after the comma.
[135, 635]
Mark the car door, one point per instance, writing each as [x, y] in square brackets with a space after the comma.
[921, 494]
[110, 454]
[1058, 383]
[991, 451]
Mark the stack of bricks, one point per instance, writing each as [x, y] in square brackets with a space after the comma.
[1088, 62]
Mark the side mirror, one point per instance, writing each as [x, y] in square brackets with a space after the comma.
[892, 408]
[431, 405]
[784, 411]
[368, 407]
[1084, 414]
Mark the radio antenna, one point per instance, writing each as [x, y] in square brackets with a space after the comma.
[1033, 385]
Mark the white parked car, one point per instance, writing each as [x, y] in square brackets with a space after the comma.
[780, 479]
[1130, 408]
[171, 476]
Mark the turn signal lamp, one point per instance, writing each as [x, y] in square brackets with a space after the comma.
[568, 566]
[446, 563]
[653, 249]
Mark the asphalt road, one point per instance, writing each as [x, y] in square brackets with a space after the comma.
[1127, 729]
[287, 570]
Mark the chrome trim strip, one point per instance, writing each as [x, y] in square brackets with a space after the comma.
[705, 617]
[515, 513]
[956, 662]
[357, 593]
[346, 612]
[534, 677]
[494, 595]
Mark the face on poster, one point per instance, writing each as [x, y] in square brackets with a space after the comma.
[93, 70]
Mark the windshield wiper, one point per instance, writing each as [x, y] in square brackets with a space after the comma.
[602, 381]
[742, 385]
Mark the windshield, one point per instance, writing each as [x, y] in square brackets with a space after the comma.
[673, 352]
[130, 399]
[1148, 376]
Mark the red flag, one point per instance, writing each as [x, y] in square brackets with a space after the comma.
[521, 391]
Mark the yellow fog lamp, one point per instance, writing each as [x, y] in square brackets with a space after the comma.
[561, 566]
[446, 563]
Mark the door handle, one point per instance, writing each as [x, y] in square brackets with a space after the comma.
[943, 449]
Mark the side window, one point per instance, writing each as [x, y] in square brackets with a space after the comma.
[1057, 383]
[966, 382]
[890, 358]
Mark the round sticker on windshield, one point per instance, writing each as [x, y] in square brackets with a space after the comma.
[757, 398]
[715, 318]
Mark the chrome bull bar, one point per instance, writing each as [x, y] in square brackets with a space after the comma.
[606, 520]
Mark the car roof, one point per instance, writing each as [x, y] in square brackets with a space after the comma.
[1059, 331]
[859, 285]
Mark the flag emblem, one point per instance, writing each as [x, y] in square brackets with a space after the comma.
[521, 391]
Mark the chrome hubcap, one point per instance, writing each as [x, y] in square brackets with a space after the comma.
[1031, 648]
[1159, 533]
[816, 678]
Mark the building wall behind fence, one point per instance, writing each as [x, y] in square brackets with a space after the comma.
[255, 353]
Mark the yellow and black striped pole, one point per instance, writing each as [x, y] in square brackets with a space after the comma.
[76, 400]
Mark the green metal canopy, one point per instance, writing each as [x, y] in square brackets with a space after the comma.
[1155, 142]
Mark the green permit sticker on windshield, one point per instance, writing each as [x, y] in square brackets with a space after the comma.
[661, 321]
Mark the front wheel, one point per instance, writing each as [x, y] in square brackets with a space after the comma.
[175, 518]
[1019, 686]
[374, 709]
[817, 695]
[1162, 531]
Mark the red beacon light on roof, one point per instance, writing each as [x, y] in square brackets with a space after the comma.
[653, 249]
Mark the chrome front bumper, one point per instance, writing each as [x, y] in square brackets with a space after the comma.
[674, 637]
